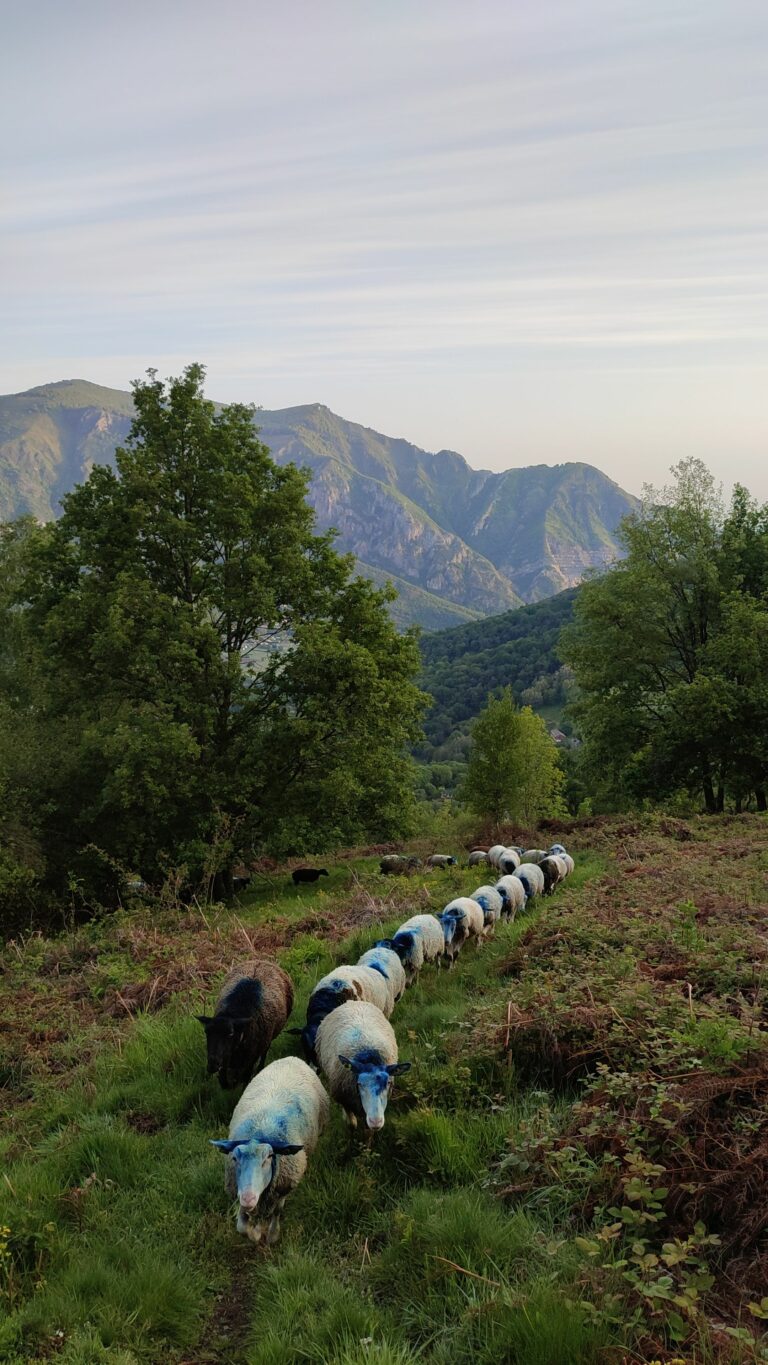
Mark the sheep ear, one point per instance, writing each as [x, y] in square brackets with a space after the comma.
[286, 1148]
[345, 1061]
[398, 1068]
[226, 1144]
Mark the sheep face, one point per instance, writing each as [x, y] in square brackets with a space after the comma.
[228, 1058]
[255, 1164]
[374, 1083]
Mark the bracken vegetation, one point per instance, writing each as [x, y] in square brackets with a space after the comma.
[573, 1171]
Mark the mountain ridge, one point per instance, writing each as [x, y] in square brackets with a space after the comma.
[466, 542]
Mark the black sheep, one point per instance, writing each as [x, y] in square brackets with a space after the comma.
[253, 1006]
[307, 874]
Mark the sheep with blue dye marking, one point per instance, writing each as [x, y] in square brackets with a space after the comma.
[556, 848]
[388, 965]
[469, 923]
[495, 852]
[357, 1050]
[491, 904]
[334, 989]
[508, 862]
[273, 1131]
[532, 877]
[430, 931]
[409, 948]
[254, 1004]
[441, 860]
[513, 895]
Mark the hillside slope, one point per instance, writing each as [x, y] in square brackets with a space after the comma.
[478, 542]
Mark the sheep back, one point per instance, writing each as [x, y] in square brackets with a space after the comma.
[431, 931]
[350, 1030]
[286, 1102]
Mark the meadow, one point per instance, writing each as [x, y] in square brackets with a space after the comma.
[573, 1171]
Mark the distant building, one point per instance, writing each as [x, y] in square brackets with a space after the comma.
[558, 736]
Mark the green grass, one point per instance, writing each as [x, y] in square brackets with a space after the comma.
[121, 1235]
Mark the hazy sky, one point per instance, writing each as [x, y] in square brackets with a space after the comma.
[527, 230]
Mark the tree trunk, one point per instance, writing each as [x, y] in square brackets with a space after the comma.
[737, 805]
[760, 798]
[720, 798]
[709, 794]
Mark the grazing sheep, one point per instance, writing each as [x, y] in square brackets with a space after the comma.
[491, 904]
[388, 964]
[513, 895]
[495, 852]
[556, 848]
[409, 948]
[357, 1050]
[334, 989]
[534, 855]
[275, 1127]
[569, 863]
[470, 921]
[253, 1007]
[430, 930]
[477, 856]
[300, 875]
[441, 860]
[394, 864]
[508, 862]
[554, 871]
[532, 877]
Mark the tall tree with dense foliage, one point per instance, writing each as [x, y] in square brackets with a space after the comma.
[221, 682]
[513, 771]
[669, 649]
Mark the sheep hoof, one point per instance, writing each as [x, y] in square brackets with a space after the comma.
[273, 1231]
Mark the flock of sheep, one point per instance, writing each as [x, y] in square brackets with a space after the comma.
[347, 1036]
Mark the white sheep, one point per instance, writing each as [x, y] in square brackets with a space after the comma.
[554, 870]
[357, 1050]
[409, 948]
[569, 863]
[334, 989]
[389, 966]
[495, 852]
[491, 904]
[532, 877]
[430, 930]
[513, 894]
[557, 848]
[508, 861]
[534, 855]
[470, 923]
[274, 1129]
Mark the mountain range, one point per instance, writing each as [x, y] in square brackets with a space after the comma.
[458, 543]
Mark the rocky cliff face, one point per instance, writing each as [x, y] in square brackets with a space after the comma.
[459, 541]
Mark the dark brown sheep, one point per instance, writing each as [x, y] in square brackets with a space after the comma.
[254, 1005]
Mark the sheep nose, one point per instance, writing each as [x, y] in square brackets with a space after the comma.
[375, 1123]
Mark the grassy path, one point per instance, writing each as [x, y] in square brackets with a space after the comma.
[122, 1249]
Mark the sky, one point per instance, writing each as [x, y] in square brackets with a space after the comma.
[527, 230]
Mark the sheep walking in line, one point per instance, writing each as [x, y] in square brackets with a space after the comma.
[334, 989]
[409, 947]
[389, 966]
[441, 860]
[491, 903]
[513, 896]
[554, 870]
[273, 1131]
[430, 931]
[469, 922]
[508, 861]
[534, 855]
[494, 853]
[357, 1050]
[532, 877]
[253, 1007]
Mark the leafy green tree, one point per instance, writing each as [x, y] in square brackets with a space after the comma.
[514, 771]
[222, 682]
[667, 648]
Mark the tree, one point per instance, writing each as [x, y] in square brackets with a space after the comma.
[223, 682]
[668, 652]
[514, 771]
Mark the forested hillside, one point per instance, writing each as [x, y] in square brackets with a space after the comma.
[462, 665]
